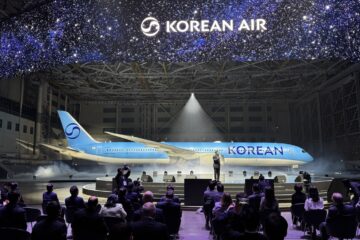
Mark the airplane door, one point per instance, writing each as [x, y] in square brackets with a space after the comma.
[99, 150]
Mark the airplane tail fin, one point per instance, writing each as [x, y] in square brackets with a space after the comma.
[74, 132]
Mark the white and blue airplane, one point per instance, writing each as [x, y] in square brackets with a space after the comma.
[141, 151]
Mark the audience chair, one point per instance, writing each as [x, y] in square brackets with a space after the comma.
[32, 214]
[14, 234]
[314, 218]
[343, 227]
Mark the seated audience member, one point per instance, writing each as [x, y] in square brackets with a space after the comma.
[336, 211]
[4, 192]
[51, 227]
[209, 202]
[175, 199]
[113, 209]
[255, 197]
[148, 228]
[275, 227]
[236, 216]
[314, 201]
[12, 215]
[120, 231]
[297, 198]
[126, 203]
[73, 203]
[220, 192]
[172, 212]
[15, 188]
[251, 229]
[134, 197]
[149, 197]
[223, 206]
[269, 202]
[49, 196]
[88, 224]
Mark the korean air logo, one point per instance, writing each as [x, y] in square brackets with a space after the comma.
[150, 26]
[72, 131]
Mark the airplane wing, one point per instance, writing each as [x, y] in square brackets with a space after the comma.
[160, 146]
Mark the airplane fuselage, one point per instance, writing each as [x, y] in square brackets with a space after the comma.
[237, 153]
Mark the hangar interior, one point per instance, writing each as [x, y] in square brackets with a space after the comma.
[313, 104]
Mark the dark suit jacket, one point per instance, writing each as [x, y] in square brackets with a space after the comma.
[148, 229]
[13, 216]
[73, 204]
[298, 198]
[175, 199]
[49, 229]
[88, 225]
[339, 211]
[254, 201]
[172, 215]
[159, 215]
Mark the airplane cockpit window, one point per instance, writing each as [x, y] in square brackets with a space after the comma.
[303, 151]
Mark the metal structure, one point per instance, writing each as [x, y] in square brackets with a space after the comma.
[275, 80]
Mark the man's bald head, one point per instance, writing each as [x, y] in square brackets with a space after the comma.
[148, 197]
[337, 198]
[149, 209]
[92, 202]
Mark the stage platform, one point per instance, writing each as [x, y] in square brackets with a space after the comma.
[283, 191]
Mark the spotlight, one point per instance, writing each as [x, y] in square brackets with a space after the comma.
[244, 173]
[269, 174]
[231, 173]
[178, 173]
[165, 173]
[191, 172]
[106, 175]
[70, 176]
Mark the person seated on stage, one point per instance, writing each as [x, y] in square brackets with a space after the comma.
[209, 202]
[314, 201]
[172, 212]
[175, 198]
[126, 203]
[88, 224]
[113, 209]
[336, 211]
[255, 197]
[148, 228]
[220, 191]
[12, 215]
[51, 227]
[275, 227]
[297, 198]
[134, 197]
[49, 196]
[149, 197]
[73, 203]
[224, 205]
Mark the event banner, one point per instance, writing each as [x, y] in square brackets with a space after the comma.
[77, 31]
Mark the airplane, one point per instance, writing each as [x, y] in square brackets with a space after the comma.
[142, 151]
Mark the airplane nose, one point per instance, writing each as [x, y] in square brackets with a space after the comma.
[309, 158]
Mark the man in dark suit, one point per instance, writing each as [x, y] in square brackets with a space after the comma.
[149, 197]
[73, 203]
[148, 228]
[12, 215]
[51, 227]
[49, 196]
[336, 211]
[88, 224]
[255, 197]
[172, 213]
[175, 198]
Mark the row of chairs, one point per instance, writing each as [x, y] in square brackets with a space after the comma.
[344, 227]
